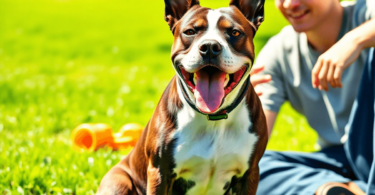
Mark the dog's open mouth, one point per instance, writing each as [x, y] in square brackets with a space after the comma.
[210, 85]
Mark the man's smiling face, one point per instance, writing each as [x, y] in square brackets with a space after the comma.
[305, 15]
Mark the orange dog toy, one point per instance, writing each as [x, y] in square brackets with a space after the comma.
[94, 136]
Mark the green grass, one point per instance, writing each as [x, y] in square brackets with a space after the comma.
[65, 62]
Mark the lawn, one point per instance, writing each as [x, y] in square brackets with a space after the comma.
[64, 62]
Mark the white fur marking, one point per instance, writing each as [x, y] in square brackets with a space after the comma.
[210, 153]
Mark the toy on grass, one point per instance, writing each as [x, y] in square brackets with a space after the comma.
[94, 136]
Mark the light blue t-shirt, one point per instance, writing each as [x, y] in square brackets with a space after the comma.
[289, 59]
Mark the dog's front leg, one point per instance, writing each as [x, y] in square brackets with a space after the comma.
[154, 181]
[253, 180]
[246, 185]
[158, 184]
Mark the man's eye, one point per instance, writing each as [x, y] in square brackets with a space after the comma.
[235, 33]
[189, 32]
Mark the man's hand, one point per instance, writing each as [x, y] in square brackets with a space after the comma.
[332, 63]
[256, 78]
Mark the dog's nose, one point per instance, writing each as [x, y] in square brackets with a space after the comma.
[210, 48]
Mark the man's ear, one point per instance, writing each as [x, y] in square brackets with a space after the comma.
[175, 9]
[253, 10]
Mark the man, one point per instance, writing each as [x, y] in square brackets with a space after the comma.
[316, 64]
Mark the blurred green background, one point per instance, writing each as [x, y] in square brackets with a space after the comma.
[65, 62]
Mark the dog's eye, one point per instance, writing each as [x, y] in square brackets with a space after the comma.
[235, 33]
[189, 32]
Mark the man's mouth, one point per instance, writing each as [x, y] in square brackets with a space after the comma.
[210, 85]
[298, 15]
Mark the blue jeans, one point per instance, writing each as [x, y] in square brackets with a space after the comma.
[291, 173]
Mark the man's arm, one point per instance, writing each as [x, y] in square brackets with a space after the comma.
[331, 64]
[270, 118]
[259, 79]
[266, 76]
[364, 35]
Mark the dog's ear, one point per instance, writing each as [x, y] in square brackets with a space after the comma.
[253, 10]
[175, 9]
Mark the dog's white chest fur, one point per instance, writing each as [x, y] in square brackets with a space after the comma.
[210, 153]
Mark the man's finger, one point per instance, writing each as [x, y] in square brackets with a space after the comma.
[337, 76]
[256, 69]
[258, 79]
[331, 71]
[323, 77]
[315, 73]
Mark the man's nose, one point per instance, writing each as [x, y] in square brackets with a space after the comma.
[210, 48]
[290, 4]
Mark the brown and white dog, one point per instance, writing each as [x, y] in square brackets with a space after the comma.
[208, 131]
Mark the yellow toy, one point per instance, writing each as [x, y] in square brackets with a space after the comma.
[91, 137]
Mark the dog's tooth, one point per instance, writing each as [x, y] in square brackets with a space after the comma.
[226, 81]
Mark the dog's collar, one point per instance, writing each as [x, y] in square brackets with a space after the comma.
[223, 114]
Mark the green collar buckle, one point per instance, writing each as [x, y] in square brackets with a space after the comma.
[217, 117]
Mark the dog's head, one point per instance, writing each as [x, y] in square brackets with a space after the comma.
[213, 50]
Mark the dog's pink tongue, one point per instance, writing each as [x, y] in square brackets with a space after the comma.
[209, 91]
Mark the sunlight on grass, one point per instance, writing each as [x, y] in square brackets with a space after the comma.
[64, 62]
